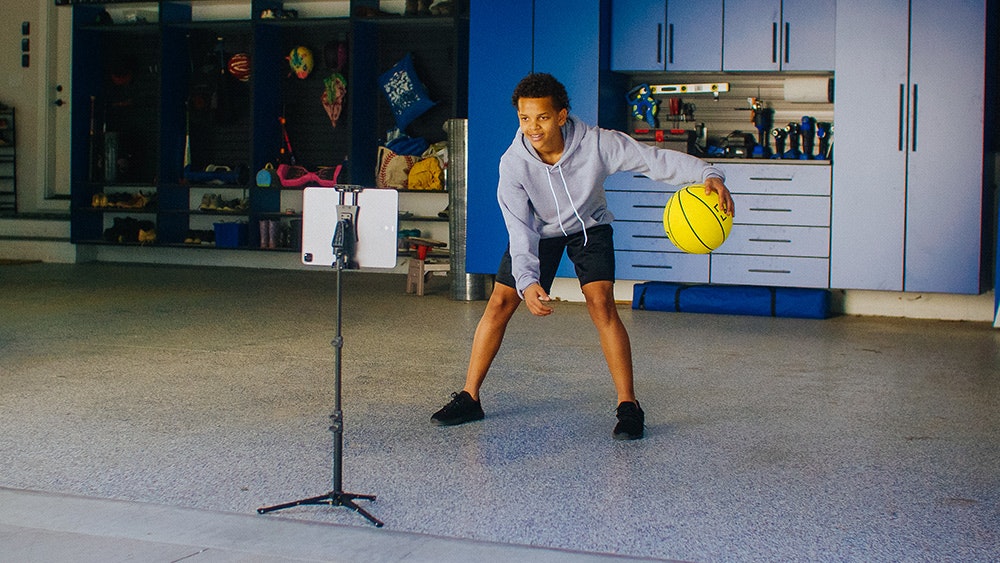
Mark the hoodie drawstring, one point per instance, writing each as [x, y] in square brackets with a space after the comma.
[576, 212]
[555, 199]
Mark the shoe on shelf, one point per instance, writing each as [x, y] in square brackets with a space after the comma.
[630, 421]
[461, 409]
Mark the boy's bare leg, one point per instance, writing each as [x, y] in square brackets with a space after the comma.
[489, 335]
[615, 342]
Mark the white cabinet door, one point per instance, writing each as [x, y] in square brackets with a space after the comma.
[638, 34]
[677, 35]
[808, 34]
[776, 35]
[694, 35]
[752, 35]
[944, 178]
[869, 171]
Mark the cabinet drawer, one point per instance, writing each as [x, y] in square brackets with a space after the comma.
[638, 206]
[788, 179]
[661, 266]
[808, 211]
[780, 271]
[629, 181]
[642, 235]
[771, 240]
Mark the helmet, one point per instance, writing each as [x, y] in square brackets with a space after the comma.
[301, 61]
[239, 66]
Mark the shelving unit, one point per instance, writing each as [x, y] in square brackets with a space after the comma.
[162, 87]
[8, 161]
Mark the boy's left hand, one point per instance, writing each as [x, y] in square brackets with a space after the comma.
[714, 184]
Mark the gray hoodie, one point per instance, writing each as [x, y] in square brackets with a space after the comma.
[542, 201]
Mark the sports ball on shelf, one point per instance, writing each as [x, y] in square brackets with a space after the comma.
[694, 221]
[301, 61]
[239, 66]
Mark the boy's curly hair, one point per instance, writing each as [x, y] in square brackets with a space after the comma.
[541, 85]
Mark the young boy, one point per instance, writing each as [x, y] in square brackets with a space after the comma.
[551, 194]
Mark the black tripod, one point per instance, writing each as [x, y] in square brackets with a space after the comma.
[343, 244]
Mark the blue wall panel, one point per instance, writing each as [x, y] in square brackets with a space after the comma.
[500, 54]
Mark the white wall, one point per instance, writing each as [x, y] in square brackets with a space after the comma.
[31, 91]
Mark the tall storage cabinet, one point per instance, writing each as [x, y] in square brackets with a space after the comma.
[492, 122]
[907, 190]
[568, 39]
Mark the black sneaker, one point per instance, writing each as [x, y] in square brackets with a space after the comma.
[460, 410]
[630, 421]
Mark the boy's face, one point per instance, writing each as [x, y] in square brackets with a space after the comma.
[540, 123]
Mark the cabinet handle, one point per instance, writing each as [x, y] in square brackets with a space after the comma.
[659, 43]
[767, 179]
[781, 240]
[788, 32]
[670, 44]
[902, 100]
[770, 210]
[916, 106]
[774, 42]
[762, 271]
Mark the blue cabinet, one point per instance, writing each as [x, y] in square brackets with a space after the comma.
[655, 35]
[790, 35]
[907, 197]
[499, 56]
[568, 39]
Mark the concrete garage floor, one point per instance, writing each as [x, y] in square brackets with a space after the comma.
[146, 412]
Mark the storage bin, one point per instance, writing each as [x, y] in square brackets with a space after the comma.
[230, 235]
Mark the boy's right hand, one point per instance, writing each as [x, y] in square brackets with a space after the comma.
[537, 300]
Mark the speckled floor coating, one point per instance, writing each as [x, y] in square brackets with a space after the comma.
[767, 439]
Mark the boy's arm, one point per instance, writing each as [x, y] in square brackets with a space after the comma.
[664, 165]
[519, 218]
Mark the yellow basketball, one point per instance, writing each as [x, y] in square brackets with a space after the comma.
[694, 221]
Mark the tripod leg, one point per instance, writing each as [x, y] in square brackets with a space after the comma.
[347, 500]
[333, 498]
[306, 501]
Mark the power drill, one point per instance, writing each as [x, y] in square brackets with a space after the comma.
[793, 152]
[763, 120]
[808, 129]
[779, 142]
[823, 131]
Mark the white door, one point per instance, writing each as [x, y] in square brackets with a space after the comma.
[54, 98]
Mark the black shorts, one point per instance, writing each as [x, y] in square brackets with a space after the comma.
[593, 262]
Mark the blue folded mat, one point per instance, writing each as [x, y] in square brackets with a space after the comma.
[732, 300]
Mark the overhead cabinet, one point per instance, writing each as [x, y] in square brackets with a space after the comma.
[679, 35]
[788, 35]
[908, 179]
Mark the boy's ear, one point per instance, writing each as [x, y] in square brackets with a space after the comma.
[563, 115]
